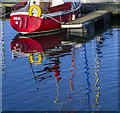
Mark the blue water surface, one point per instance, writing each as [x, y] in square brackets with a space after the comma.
[88, 74]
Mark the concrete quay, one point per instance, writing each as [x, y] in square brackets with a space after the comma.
[93, 16]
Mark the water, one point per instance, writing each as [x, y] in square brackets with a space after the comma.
[57, 74]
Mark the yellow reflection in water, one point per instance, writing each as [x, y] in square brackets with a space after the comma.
[97, 70]
[57, 98]
[31, 58]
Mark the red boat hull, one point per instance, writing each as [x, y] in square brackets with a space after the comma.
[27, 24]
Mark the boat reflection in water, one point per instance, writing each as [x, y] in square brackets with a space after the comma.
[35, 47]
[45, 52]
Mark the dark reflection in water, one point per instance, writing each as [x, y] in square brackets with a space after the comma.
[70, 73]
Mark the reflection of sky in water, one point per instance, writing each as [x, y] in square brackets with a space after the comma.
[71, 77]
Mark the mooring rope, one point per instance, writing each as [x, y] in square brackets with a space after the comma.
[5, 14]
[56, 20]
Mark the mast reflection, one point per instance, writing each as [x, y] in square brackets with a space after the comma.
[87, 77]
[71, 80]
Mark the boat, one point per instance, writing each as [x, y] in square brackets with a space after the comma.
[36, 16]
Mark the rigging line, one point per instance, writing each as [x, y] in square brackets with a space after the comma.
[5, 14]
[33, 71]
[56, 20]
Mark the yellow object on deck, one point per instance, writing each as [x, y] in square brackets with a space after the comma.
[35, 8]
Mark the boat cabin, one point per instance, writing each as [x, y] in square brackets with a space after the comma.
[46, 6]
